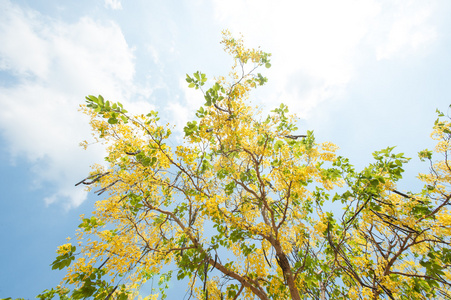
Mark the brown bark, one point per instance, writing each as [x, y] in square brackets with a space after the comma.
[286, 269]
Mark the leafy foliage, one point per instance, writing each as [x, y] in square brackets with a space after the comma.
[253, 189]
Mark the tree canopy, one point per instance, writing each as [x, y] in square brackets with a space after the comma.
[241, 209]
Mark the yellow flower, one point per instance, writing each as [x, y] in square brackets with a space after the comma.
[63, 249]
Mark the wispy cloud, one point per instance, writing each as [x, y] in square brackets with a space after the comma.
[409, 29]
[184, 109]
[319, 46]
[113, 4]
[55, 65]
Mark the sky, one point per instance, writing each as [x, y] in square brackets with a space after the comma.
[363, 74]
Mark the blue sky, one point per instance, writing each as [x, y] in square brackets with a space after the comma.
[363, 74]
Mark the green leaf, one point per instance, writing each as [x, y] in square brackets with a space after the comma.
[208, 99]
[112, 121]
[222, 173]
[439, 113]
[278, 145]
[91, 98]
[64, 260]
[425, 154]
[230, 187]
[190, 128]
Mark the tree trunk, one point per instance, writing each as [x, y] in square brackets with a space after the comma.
[286, 269]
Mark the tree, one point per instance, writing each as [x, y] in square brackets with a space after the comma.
[241, 208]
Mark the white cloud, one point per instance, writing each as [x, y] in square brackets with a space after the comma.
[318, 46]
[113, 4]
[182, 112]
[409, 30]
[56, 64]
[154, 54]
[15, 53]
